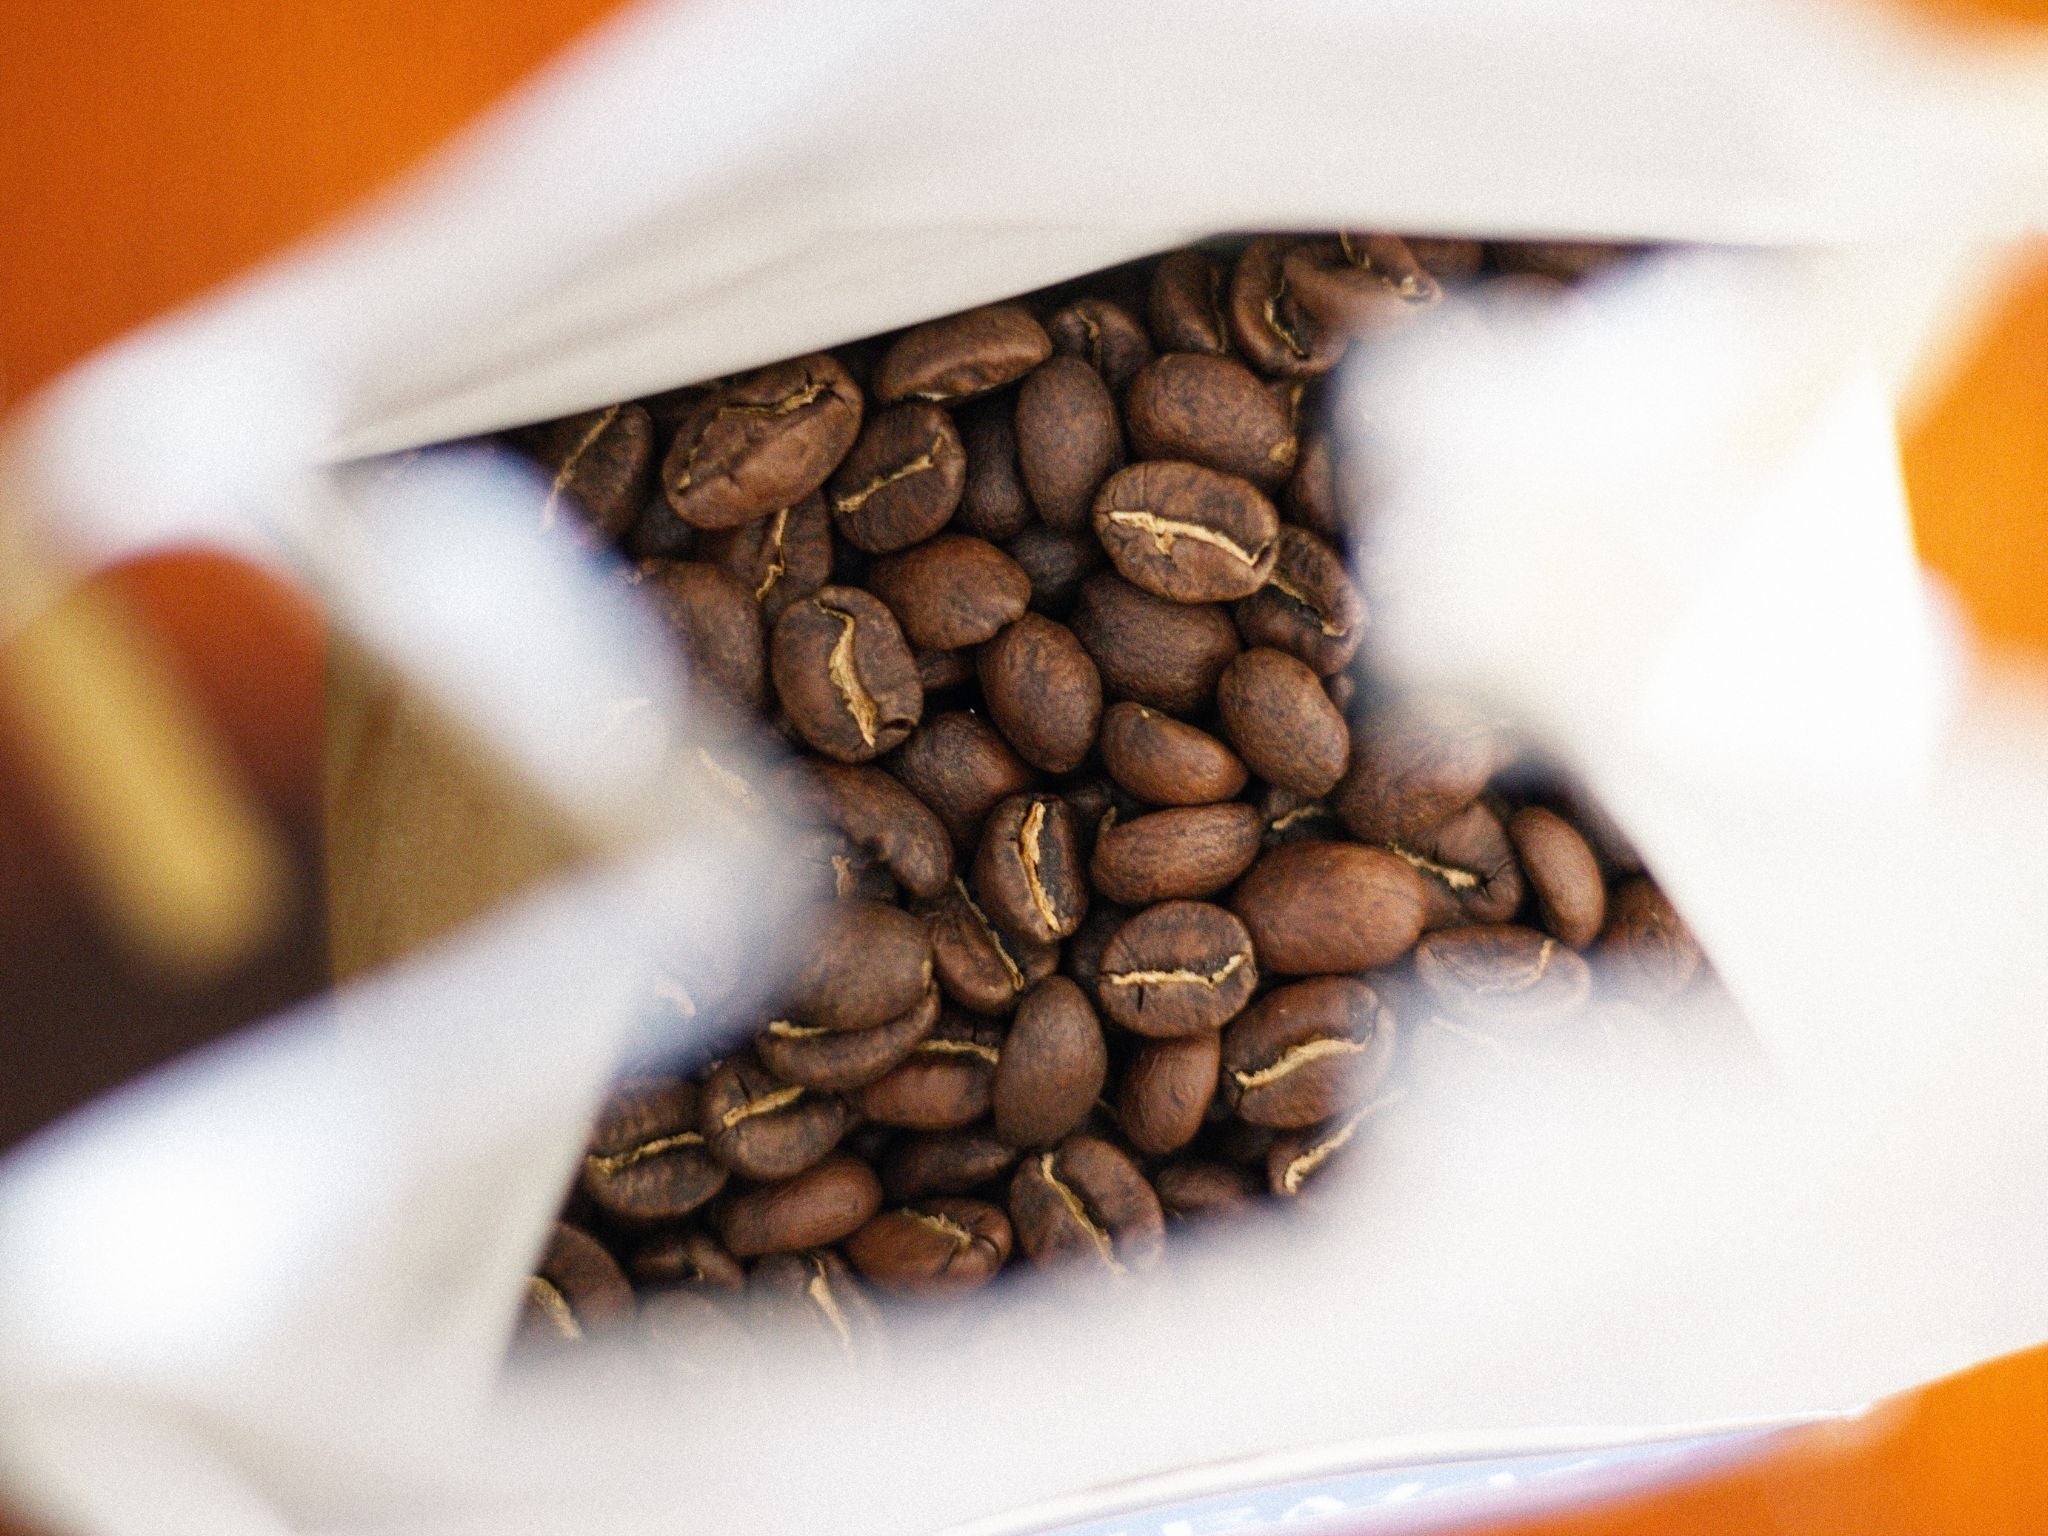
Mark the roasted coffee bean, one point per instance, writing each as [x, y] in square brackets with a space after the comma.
[1414, 761]
[840, 1059]
[993, 504]
[938, 1247]
[1289, 817]
[576, 1290]
[1086, 1202]
[766, 440]
[600, 464]
[819, 1206]
[1564, 873]
[1081, 957]
[1163, 654]
[1054, 1063]
[1068, 440]
[1029, 875]
[1268, 325]
[1499, 970]
[1185, 309]
[1567, 261]
[1166, 1091]
[1188, 533]
[884, 818]
[1360, 283]
[1180, 968]
[952, 591]
[1043, 692]
[943, 1084]
[1282, 724]
[647, 1161]
[1469, 866]
[1104, 335]
[1056, 564]
[844, 674]
[1296, 1157]
[1301, 1053]
[943, 671]
[981, 967]
[1165, 761]
[962, 355]
[1308, 606]
[960, 766]
[689, 1259]
[1196, 1191]
[902, 480]
[849, 871]
[781, 558]
[1646, 951]
[945, 1162]
[1315, 497]
[815, 1295]
[1186, 852]
[864, 964]
[1318, 909]
[1213, 411]
[717, 625]
[763, 1128]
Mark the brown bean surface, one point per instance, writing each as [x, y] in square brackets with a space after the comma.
[1564, 873]
[1308, 606]
[1303, 1052]
[766, 440]
[818, 1206]
[1166, 761]
[844, 675]
[1186, 532]
[1166, 1092]
[1317, 908]
[1068, 440]
[1214, 411]
[1152, 650]
[1499, 970]
[1053, 1065]
[962, 355]
[1187, 852]
[1180, 968]
[1043, 691]
[902, 480]
[1029, 875]
[951, 591]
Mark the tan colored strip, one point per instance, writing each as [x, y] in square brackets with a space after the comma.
[1297, 1172]
[554, 1306]
[1457, 879]
[1010, 966]
[1104, 1249]
[767, 1104]
[927, 460]
[561, 482]
[945, 1226]
[618, 1162]
[819, 1289]
[784, 1029]
[1334, 631]
[987, 1053]
[1214, 978]
[1164, 530]
[778, 563]
[1294, 1058]
[846, 676]
[1028, 854]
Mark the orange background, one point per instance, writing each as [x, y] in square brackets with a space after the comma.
[152, 148]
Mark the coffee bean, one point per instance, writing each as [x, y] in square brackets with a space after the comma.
[1308, 606]
[1567, 261]
[1268, 324]
[945, 1162]
[1187, 533]
[943, 672]
[1289, 817]
[1498, 970]
[1314, 497]
[951, 591]
[1056, 564]
[576, 1290]
[1043, 691]
[1469, 866]
[865, 964]
[962, 355]
[1180, 968]
[1282, 723]
[1166, 1091]
[1029, 876]
[763, 1128]
[781, 558]
[1316, 909]
[717, 625]
[993, 504]
[1068, 440]
[1296, 1157]
[1358, 284]
[1165, 761]
[1185, 309]
[902, 480]
[1086, 1202]
[883, 818]
[979, 966]
[818, 1206]
[1447, 258]
[942, 1246]
[1563, 872]
[1196, 1191]
[1104, 335]
[691, 1259]
[766, 440]
[1212, 411]
[1081, 958]
[1646, 951]
[943, 1084]
[844, 675]
[814, 1296]
[1186, 852]
[1303, 1052]
[959, 766]
[840, 1059]
[647, 1161]
[1414, 761]
[1053, 1065]
[1163, 654]
[600, 465]
[836, 863]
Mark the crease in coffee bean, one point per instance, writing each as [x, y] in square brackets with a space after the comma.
[1279, 327]
[995, 937]
[946, 1227]
[1028, 855]
[853, 501]
[778, 563]
[1295, 1057]
[1299, 813]
[554, 1306]
[616, 1162]
[1302, 601]
[725, 778]
[846, 676]
[789, 1029]
[767, 1104]
[1413, 283]
[1517, 983]
[1296, 1173]
[1165, 530]
[1457, 879]
[942, 1047]
[819, 1289]
[584, 444]
[1104, 1248]
[1214, 978]
[845, 878]
[795, 401]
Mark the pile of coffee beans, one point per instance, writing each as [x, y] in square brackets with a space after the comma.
[1137, 881]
